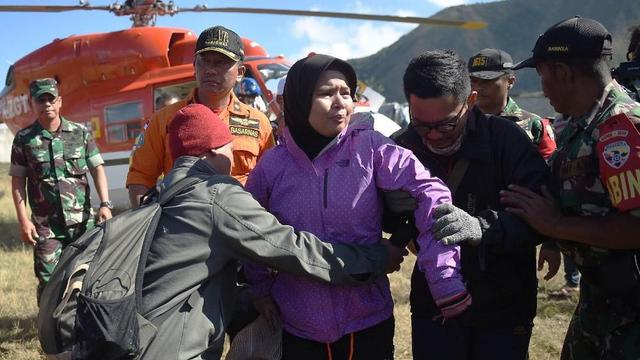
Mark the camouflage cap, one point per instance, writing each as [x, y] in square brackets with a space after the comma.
[222, 40]
[490, 64]
[43, 86]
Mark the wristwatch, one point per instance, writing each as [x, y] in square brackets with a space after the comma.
[108, 204]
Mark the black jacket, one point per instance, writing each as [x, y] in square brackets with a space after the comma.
[501, 271]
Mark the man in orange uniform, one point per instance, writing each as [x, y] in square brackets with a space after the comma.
[218, 67]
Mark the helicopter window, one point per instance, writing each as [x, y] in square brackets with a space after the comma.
[166, 95]
[272, 73]
[123, 121]
[10, 80]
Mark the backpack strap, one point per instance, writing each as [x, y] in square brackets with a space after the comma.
[459, 169]
[177, 188]
[163, 198]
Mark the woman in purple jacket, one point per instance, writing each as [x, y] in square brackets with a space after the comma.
[327, 178]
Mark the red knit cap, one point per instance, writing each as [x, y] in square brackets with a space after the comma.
[195, 130]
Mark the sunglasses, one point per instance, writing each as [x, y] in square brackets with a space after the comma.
[47, 99]
[443, 126]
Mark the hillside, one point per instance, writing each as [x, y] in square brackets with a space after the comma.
[514, 26]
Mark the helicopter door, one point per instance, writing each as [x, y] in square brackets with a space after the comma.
[119, 122]
[123, 122]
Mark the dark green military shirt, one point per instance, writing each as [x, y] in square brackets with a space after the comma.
[576, 168]
[55, 165]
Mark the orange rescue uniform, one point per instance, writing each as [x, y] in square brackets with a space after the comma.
[151, 156]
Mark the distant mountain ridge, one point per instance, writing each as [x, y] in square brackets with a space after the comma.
[514, 26]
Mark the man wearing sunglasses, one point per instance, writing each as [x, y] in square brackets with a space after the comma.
[51, 159]
[446, 132]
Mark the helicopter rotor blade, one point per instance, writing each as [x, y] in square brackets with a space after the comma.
[471, 25]
[169, 9]
[49, 8]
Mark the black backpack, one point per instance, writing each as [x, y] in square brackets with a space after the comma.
[90, 307]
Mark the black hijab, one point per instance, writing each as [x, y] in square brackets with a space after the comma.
[298, 93]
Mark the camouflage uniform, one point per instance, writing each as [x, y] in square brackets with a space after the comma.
[606, 322]
[55, 165]
[539, 130]
[529, 122]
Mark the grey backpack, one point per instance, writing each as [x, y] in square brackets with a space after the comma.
[90, 307]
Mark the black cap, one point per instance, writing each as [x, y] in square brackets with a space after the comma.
[39, 87]
[571, 38]
[222, 40]
[490, 64]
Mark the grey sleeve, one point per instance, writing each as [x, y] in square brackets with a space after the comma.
[249, 232]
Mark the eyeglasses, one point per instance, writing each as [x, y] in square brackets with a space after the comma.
[47, 99]
[443, 126]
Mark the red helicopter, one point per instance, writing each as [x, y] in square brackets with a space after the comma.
[113, 81]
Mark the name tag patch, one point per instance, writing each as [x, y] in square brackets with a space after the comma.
[238, 130]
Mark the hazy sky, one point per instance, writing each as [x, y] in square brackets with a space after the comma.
[291, 36]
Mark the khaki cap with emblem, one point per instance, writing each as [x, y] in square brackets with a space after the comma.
[222, 40]
[39, 87]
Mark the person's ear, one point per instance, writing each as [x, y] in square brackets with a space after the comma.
[471, 100]
[511, 80]
[241, 70]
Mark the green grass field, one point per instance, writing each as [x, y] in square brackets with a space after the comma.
[18, 310]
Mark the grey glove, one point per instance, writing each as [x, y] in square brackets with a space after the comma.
[453, 225]
[399, 201]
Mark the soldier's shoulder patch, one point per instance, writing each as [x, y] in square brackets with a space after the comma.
[617, 126]
[618, 148]
[616, 153]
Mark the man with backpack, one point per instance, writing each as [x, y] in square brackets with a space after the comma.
[190, 274]
[159, 281]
